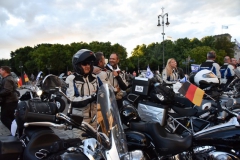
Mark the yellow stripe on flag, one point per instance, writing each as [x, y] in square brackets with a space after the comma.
[198, 97]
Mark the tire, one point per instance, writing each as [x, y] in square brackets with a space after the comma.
[60, 104]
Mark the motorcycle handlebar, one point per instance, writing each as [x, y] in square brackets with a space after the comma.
[46, 124]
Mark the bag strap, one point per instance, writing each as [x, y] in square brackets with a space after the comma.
[76, 93]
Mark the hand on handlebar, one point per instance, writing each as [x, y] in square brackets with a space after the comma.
[93, 98]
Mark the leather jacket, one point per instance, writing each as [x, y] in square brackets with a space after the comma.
[8, 90]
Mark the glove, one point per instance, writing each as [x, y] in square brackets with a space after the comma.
[93, 98]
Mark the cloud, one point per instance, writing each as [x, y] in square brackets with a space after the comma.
[129, 23]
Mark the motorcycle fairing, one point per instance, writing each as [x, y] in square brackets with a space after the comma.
[223, 135]
[110, 122]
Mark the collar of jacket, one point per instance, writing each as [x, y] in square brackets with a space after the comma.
[109, 67]
[209, 60]
[80, 77]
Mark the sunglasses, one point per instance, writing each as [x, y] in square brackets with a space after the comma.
[86, 63]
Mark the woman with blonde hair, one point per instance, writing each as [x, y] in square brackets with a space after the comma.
[171, 74]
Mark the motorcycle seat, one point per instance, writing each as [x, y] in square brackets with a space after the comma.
[188, 112]
[164, 142]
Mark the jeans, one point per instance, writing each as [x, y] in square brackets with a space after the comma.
[7, 113]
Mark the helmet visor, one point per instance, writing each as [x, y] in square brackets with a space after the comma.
[209, 75]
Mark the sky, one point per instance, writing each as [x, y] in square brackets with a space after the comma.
[127, 22]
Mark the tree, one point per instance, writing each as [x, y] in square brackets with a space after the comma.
[208, 41]
[222, 43]
[199, 54]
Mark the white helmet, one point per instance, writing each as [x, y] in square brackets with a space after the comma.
[205, 77]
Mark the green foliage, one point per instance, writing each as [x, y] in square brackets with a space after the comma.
[199, 54]
[4, 62]
[57, 58]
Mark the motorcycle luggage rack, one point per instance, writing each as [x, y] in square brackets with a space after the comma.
[177, 124]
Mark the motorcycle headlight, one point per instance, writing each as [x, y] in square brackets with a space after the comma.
[39, 92]
[160, 97]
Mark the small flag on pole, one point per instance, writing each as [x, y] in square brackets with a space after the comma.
[224, 27]
[192, 92]
[20, 82]
[38, 76]
[149, 73]
[26, 77]
[183, 80]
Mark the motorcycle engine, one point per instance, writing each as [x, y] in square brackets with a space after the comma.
[208, 152]
[221, 156]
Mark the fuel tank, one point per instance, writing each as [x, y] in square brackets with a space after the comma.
[225, 135]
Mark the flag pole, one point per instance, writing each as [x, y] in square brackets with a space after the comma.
[210, 97]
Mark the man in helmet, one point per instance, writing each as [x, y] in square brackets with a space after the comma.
[116, 78]
[211, 65]
[82, 84]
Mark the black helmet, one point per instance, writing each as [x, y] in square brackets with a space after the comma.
[83, 55]
[129, 114]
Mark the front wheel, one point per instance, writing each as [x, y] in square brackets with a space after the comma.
[60, 104]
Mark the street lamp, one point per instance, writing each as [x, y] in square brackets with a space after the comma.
[49, 67]
[159, 24]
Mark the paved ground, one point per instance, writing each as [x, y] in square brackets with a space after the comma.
[61, 133]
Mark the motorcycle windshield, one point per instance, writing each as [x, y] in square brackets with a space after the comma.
[50, 82]
[109, 119]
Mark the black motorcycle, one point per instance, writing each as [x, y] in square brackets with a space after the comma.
[214, 143]
[50, 93]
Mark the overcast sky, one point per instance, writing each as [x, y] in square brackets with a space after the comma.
[127, 22]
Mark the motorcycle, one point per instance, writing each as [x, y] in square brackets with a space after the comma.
[46, 92]
[38, 141]
[176, 117]
[214, 143]
[50, 93]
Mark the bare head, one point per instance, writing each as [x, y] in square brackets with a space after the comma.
[211, 55]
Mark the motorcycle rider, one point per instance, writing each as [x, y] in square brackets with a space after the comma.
[8, 95]
[228, 74]
[211, 65]
[116, 78]
[224, 67]
[82, 84]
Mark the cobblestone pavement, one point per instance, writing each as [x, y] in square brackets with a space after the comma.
[65, 134]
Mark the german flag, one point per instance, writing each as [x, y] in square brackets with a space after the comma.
[192, 92]
[26, 77]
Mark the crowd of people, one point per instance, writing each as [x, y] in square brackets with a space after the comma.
[90, 72]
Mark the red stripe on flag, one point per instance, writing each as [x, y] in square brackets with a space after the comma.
[190, 92]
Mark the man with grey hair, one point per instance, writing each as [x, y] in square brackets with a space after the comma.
[225, 65]
[211, 65]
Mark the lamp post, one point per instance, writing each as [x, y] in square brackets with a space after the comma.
[159, 24]
[49, 67]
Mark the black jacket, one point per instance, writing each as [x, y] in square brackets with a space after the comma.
[8, 90]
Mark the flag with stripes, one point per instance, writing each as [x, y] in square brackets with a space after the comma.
[192, 92]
